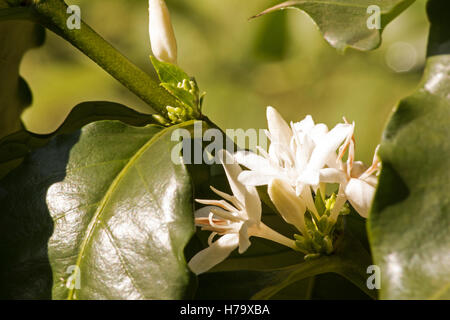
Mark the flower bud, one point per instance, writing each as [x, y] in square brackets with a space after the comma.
[162, 37]
[289, 205]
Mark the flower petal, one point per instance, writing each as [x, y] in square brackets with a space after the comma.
[228, 197]
[288, 204]
[331, 175]
[372, 180]
[304, 125]
[255, 162]
[253, 178]
[360, 195]
[306, 196]
[318, 132]
[339, 204]
[358, 169]
[232, 170]
[310, 177]
[214, 254]
[218, 203]
[204, 212]
[253, 204]
[244, 241]
[247, 195]
[322, 152]
[280, 132]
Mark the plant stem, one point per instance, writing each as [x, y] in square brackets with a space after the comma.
[53, 15]
[263, 231]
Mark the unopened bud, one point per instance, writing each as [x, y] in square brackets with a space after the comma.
[162, 37]
[289, 205]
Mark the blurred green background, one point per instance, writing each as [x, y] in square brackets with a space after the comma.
[279, 59]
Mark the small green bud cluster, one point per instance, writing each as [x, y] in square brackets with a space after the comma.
[322, 231]
[190, 86]
[178, 115]
[174, 115]
[188, 94]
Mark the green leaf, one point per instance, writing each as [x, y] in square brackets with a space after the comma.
[326, 286]
[350, 261]
[410, 218]
[16, 37]
[180, 86]
[52, 14]
[169, 73]
[185, 97]
[17, 145]
[111, 207]
[343, 23]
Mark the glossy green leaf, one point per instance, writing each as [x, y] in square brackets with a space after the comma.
[410, 218]
[17, 145]
[350, 262]
[106, 208]
[327, 286]
[169, 73]
[16, 37]
[185, 97]
[179, 85]
[343, 23]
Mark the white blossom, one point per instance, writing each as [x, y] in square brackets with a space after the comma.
[357, 182]
[235, 220]
[296, 155]
[305, 156]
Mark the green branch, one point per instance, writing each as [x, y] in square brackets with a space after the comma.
[53, 15]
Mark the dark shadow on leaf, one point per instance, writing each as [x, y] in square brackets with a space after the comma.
[439, 39]
[406, 112]
[389, 180]
[25, 222]
[331, 286]
[232, 285]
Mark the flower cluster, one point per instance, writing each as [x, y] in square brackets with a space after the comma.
[302, 159]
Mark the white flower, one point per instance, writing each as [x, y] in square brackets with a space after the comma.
[357, 182]
[236, 220]
[296, 154]
[162, 37]
[324, 153]
[278, 163]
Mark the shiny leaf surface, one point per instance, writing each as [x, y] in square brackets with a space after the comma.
[17, 145]
[410, 218]
[344, 23]
[113, 209]
[350, 262]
